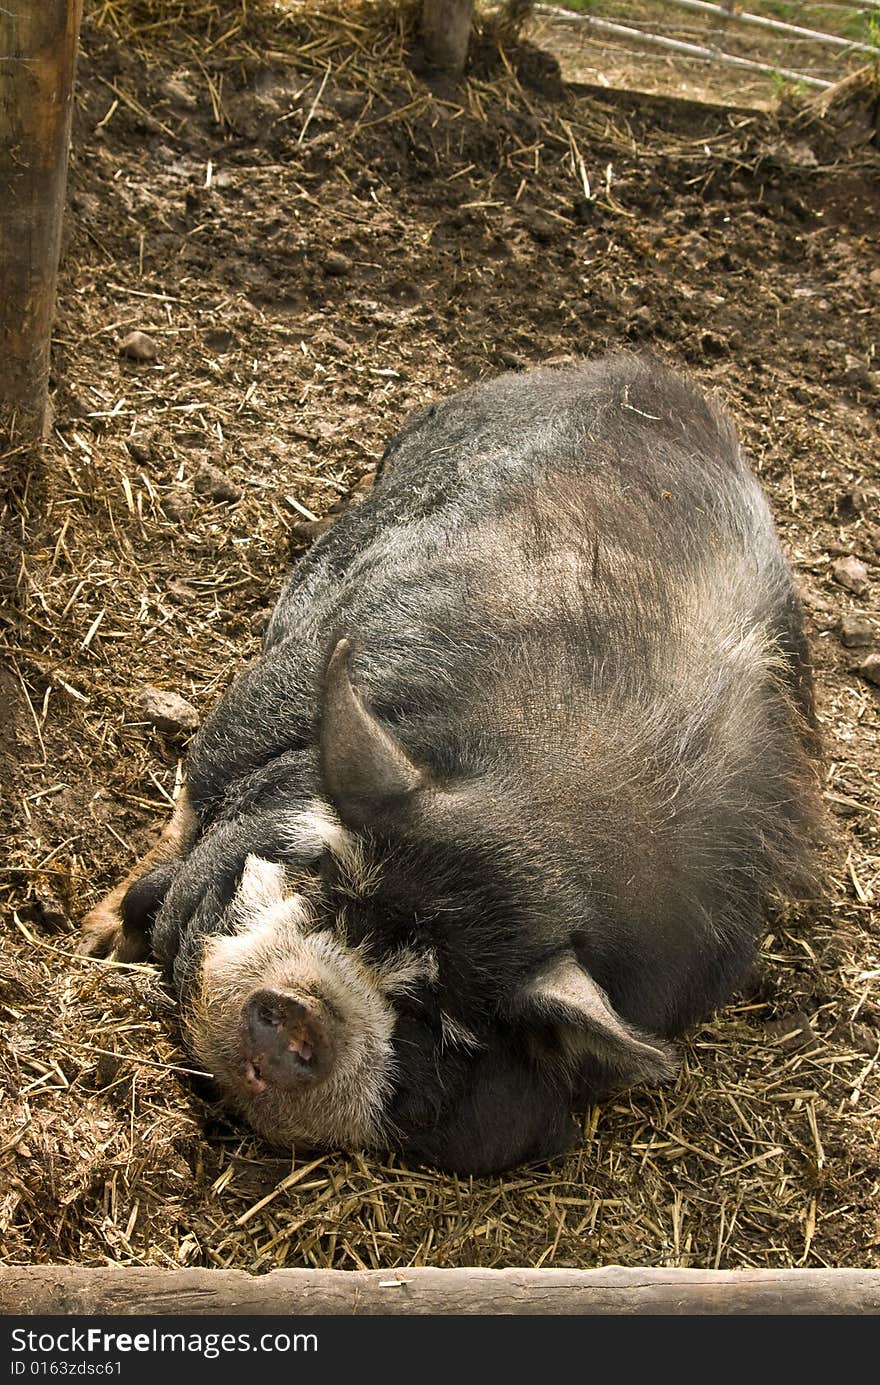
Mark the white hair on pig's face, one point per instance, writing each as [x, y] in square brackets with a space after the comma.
[277, 947]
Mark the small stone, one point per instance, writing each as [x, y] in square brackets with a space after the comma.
[166, 711]
[211, 481]
[336, 264]
[138, 346]
[870, 669]
[856, 631]
[850, 573]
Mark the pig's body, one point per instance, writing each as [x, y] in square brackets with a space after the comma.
[541, 800]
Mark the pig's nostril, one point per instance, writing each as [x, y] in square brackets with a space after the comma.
[267, 1015]
[253, 1079]
[288, 1040]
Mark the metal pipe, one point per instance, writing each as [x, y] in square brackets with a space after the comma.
[692, 50]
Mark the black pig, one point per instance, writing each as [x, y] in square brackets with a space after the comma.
[496, 814]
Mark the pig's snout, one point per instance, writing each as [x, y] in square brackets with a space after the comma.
[289, 1041]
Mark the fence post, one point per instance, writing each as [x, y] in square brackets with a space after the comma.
[446, 29]
[38, 44]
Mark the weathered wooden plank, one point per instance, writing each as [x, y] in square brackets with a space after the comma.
[64, 1289]
[37, 58]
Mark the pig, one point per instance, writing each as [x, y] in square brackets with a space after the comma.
[496, 815]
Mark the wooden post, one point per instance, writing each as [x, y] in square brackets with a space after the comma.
[446, 29]
[38, 40]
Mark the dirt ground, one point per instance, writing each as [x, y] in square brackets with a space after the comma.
[316, 242]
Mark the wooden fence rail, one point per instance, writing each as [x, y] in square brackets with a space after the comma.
[65, 1289]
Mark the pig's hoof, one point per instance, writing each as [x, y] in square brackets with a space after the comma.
[102, 935]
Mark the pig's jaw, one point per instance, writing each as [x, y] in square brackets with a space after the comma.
[275, 951]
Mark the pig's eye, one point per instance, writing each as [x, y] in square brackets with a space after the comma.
[418, 1004]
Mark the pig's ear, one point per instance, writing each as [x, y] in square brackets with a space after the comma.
[366, 770]
[565, 997]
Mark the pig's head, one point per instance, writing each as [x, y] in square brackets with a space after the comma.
[405, 976]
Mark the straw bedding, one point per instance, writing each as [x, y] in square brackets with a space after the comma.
[316, 241]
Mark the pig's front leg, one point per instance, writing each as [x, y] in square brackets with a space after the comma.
[118, 927]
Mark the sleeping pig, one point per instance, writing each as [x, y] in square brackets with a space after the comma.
[496, 814]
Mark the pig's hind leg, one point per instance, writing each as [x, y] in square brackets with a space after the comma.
[119, 926]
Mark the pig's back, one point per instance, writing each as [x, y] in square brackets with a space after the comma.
[579, 529]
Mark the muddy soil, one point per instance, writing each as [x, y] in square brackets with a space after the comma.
[315, 241]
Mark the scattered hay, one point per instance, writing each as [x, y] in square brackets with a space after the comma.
[317, 242]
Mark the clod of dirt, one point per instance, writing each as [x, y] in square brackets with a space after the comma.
[870, 669]
[139, 346]
[848, 109]
[177, 90]
[211, 481]
[177, 505]
[166, 711]
[850, 573]
[48, 912]
[512, 359]
[856, 631]
[694, 249]
[540, 228]
[791, 1033]
[851, 504]
[138, 450]
[219, 340]
[336, 264]
[855, 371]
[713, 344]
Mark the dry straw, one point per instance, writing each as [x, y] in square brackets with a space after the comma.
[223, 151]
